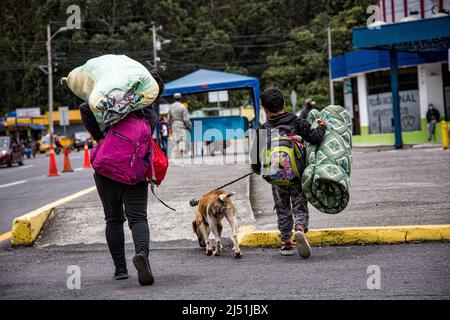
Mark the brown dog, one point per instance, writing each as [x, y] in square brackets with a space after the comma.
[210, 211]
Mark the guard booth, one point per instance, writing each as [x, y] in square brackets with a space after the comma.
[218, 128]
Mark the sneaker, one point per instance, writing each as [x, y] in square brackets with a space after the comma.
[121, 273]
[145, 276]
[287, 249]
[303, 248]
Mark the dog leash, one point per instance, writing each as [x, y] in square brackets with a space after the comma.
[152, 187]
[194, 202]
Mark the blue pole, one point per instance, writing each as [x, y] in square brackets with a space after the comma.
[395, 99]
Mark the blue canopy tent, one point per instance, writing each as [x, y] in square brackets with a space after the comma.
[203, 80]
[224, 127]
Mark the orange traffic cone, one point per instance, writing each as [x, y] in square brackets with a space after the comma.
[87, 162]
[52, 169]
[67, 165]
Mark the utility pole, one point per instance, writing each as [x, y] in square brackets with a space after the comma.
[50, 76]
[329, 67]
[155, 51]
[50, 82]
[157, 44]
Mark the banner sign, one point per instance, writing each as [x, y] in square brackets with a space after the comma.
[381, 115]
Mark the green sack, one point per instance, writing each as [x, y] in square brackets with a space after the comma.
[326, 178]
[113, 85]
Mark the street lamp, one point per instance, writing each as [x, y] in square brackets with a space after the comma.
[50, 77]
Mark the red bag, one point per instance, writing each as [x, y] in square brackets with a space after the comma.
[158, 167]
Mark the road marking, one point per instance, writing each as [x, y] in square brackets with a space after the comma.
[26, 228]
[12, 184]
[76, 157]
[5, 236]
[78, 169]
[27, 166]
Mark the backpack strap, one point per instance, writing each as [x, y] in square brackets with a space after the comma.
[152, 188]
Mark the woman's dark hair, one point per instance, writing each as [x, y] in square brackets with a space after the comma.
[160, 82]
[272, 100]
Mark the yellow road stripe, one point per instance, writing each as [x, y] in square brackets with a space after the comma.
[5, 236]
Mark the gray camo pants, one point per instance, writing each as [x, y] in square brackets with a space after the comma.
[292, 209]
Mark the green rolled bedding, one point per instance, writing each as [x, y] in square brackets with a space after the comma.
[326, 178]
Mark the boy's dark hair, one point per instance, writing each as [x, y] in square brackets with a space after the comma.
[159, 81]
[272, 100]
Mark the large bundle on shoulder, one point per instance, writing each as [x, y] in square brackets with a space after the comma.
[113, 85]
[326, 178]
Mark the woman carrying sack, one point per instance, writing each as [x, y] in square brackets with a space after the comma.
[120, 160]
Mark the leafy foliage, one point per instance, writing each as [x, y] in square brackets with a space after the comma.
[283, 42]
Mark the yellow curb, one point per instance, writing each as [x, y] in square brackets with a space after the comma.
[350, 236]
[26, 228]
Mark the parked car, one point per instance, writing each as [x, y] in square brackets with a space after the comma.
[80, 138]
[10, 152]
[44, 144]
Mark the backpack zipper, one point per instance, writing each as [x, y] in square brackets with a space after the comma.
[121, 136]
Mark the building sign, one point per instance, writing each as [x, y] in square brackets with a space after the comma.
[63, 116]
[28, 112]
[381, 115]
[218, 96]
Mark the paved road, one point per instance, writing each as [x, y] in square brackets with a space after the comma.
[23, 189]
[409, 271]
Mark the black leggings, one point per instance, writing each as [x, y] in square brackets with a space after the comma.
[120, 200]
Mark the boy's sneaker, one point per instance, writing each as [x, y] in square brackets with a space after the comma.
[303, 248]
[145, 276]
[287, 249]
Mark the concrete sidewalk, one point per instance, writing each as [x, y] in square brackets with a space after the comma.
[387, 188]
[82, 220]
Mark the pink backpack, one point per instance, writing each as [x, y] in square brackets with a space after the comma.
[125, 153]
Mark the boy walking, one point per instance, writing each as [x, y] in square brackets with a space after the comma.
[290, 202]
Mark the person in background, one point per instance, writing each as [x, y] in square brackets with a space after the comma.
[164, 134]
[433, 116]
[180, 122]
[26, 144]
[34, 147]
[309, 105]
[57, 142]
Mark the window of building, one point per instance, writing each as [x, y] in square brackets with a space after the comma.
[380, 101]
[351, 103]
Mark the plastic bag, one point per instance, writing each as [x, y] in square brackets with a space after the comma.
[113, 85]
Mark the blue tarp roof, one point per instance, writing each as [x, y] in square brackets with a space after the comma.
[423, 35]
[208, 80]
[360, 61]
[37, 126]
